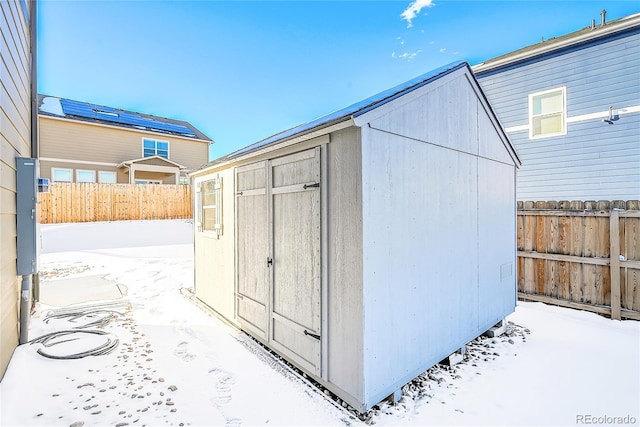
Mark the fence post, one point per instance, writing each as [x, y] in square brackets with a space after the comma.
[614, 266]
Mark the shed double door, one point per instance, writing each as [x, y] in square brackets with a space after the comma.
[278, 262]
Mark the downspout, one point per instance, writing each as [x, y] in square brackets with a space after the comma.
[25, 290]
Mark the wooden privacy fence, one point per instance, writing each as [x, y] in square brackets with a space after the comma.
[87, 202]
[581, 254]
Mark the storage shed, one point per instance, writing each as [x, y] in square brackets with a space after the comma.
[369, 244]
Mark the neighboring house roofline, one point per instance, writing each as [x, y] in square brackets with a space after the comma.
[584, 35]
[85, 112]
[145, 132]
[348, 114]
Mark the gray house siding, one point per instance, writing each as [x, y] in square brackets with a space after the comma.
[15, 116]
[594, 160]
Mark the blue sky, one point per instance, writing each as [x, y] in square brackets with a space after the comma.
[241, 71]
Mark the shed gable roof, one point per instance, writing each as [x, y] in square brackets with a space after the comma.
[83, 111]
[360, 108]
[351, 111]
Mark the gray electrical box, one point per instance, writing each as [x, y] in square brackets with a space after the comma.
[26, 198]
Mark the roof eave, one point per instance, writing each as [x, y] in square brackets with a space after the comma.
[111, 125]
[226, 161]
[550, 46]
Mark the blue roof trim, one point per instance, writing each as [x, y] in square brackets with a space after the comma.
[353, 110]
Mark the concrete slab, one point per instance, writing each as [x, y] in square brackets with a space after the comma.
[77, 290]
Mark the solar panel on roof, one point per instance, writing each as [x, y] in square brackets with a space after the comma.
[90, 111]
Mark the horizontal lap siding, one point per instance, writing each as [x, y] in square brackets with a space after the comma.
[14, 142]
[594, 160]
[64, 139]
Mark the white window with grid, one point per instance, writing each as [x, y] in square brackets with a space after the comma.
[155, 147]
[548, 113]
[209, 198]
[85, 175]
[61, 175]
[107, 177]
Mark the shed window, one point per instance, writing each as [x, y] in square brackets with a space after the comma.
[547, 113]
[154, 147]
[211, 206]
[61, 175]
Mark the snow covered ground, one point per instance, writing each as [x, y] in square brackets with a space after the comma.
[177, 364]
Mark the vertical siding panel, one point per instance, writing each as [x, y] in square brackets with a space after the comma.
[345, 281]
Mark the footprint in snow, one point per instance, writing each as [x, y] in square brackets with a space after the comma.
[223, 383]
[182, 352]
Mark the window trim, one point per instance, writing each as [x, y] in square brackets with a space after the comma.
[53, 173]
[563, 113]
[156, 147]
[201, 207]
[115, 175]
[92, 172]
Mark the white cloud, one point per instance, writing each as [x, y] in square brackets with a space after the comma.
[443, 50]
[408, 56]
[400, 40]
[414, 9]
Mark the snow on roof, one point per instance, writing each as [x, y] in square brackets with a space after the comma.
[52, 105]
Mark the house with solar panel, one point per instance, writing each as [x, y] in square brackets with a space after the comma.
[84, 142]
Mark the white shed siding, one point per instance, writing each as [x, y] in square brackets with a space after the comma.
[15, 116]
[496, 240]
[215, 257]
[594, 160]
[419, 304]
[438, 210]
[344, 299]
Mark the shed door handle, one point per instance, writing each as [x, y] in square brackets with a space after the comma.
[269, 261]
[311, 335]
